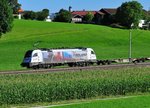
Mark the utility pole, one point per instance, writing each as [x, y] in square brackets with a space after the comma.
[130, 46]
[35, 45]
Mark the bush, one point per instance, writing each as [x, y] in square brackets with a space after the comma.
[63, 16]
[29, 15]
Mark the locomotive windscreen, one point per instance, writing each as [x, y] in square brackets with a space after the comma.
[28, 53]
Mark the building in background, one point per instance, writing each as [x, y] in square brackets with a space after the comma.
[20, 12]
[48, 19]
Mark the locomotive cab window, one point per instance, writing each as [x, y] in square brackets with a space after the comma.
[35, 55]
[28, 53]
[92, 52]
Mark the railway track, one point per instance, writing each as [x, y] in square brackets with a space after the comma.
[73, 69]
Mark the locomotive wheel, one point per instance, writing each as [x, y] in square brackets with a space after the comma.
[45, 66]
[98, 63]
[70, 64]
[35, 67]
[40, 66]
[49, 66]
[103, 63]
[86, 64]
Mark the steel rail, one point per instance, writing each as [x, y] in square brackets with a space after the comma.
[74, 69]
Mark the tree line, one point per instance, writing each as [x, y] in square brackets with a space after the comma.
[40, 15]
[129, 13]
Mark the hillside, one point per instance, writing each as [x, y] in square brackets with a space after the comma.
[108, 43]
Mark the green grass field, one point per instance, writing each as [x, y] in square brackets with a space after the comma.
[130, 102]
[108, 43]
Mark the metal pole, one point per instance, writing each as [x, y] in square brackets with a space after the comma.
[130, 46]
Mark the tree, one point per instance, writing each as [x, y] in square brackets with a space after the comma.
[63, 16]
[149, 15]
[146, 15]
[46, 12]
[42, 15]
[129, 13]
[29, 15]
[6, 17]
[88, 17]
[14, 5]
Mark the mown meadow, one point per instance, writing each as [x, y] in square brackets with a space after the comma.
[126, 102]
[108, 43]
[53, 87]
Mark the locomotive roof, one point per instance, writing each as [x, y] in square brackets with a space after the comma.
[63, 48]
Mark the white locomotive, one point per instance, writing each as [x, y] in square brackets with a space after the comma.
[46, 58]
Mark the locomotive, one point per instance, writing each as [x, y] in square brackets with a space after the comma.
[47, 58]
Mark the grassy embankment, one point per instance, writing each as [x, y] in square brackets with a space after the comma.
[108, 43]
[53, 87]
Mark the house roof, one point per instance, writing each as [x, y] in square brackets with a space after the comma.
[109, 10]
[83, 13]
[146, 12]
[20, 10]
[101, 13]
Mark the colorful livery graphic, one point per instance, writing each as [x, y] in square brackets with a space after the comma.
[54, 57]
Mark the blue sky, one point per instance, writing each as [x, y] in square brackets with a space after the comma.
[56, 5]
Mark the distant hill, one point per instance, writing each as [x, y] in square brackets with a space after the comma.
[108, 43]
